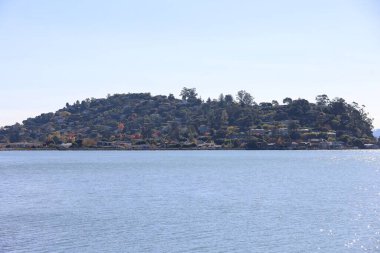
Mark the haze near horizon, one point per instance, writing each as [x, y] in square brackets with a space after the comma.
[58, 52]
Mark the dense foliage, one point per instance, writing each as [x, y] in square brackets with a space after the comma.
[166, 120]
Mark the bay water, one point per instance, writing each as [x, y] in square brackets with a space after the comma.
[190, 201]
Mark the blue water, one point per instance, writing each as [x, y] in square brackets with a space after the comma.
[190, 201]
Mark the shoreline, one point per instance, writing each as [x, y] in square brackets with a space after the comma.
[174, 149]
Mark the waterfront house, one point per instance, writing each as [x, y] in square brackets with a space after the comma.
[288, 122]
[319, 143]
[257, 131]
[65, 145]
[294, 145]
[22, 145]
[203, 129]
[303, 145]
[331, 134]
[371, 146]
[283, 131]
[303, 130]
[337, 145]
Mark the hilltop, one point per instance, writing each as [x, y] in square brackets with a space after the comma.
[160, 122]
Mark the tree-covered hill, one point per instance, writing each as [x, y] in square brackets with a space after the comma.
[135, 120]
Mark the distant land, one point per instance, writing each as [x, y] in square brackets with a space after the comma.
[143, 121]
[376, 133]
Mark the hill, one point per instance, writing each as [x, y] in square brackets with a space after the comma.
[376, 133]
[145, 121]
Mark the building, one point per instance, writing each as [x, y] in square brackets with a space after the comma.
[371, 146]
[257, 131]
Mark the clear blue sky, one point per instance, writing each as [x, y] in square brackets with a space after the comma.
[53, 52]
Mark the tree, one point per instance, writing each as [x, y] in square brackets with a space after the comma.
[287, 101]
[322, 100]
[14, 137]
[254, 143]
[229, 99]
[293, 126]
[244, 98]
[265, 105]
[338, 106]
[221, 99]
[299, 107]
[224, 117]
[189, 94]
[171, 97]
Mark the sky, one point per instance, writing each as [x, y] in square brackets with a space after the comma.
[53, 52]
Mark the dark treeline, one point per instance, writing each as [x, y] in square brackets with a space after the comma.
[229, 121]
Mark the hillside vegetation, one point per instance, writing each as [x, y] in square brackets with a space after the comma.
[142, 120]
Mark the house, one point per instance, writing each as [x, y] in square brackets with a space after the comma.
[371, 146]
[294, 145]
[24, 145]
[270, 145]
[142, 147]
[200, 143]
[283, 131]
[257, 131]
[188, 144]
[203, 129]
[303, 130]
[319, 143]
[125, 144]
[66, 145]
[238, 136]
[331, 134]
[288, 122]
[325, 144]
[136, 136]
[303, 145]
[104, 144]
[337, 145]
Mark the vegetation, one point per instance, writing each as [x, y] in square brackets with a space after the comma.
[168, 122]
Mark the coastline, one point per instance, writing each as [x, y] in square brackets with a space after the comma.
[179, 149]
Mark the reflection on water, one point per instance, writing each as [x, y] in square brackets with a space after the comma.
[190, 201]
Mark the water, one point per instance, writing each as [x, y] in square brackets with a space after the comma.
[190, 201]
